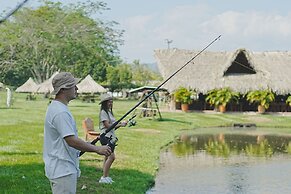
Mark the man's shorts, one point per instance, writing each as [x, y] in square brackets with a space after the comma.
[65, 184]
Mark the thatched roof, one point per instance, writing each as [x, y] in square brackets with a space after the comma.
[46, 86]
[29, 86]
[88, 85]
[241, 70]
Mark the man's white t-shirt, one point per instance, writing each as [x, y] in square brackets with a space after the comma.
[60, 159]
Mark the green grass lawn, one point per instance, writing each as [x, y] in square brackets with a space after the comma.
[137, 153]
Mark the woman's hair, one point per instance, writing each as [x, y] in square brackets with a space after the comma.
[105, 107]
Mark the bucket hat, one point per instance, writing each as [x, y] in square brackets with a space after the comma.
[105, 97]
[63, 80]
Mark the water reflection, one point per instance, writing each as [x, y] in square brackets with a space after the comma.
[225, 163]
[227, 144]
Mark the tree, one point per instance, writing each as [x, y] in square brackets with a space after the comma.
[113, 78]
[119, 77]
[125, 74]
[38, 42]
[142, 75]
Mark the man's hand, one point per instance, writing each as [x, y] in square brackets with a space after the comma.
[104, 150]
[83, 146]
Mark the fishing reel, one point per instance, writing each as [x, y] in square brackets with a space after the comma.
[131, 122]
[110, 141]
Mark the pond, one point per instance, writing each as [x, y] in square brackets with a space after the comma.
[226, 164]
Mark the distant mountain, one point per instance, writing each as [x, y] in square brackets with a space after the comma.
[153, 67]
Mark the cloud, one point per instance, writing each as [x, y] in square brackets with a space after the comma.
[250, 24]
[144, 33]
[181, 22]
[252, 30]
[193, 27]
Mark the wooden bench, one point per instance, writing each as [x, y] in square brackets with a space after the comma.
[88, 126]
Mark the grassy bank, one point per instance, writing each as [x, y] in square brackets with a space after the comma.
[137, 153]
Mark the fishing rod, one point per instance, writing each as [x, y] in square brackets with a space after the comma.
[13, 11]
[153, 91]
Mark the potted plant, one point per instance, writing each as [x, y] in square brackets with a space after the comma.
[219, 98]
[183, 95]
[288, 101]
[262, 97]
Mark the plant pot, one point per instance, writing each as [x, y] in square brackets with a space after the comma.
[185, 107]
[261, 109]
[222, 108]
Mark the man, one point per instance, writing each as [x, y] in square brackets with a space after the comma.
[61, 143]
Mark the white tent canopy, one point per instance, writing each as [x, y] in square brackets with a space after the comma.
[88, 85]
[29, 86]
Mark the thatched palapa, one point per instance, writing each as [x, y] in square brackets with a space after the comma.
[46, 86]
[28, 87]
[89, 86]
[241, 70]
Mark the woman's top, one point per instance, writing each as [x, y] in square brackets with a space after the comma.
[106, 116]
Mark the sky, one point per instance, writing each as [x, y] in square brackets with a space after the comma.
[257, 25]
